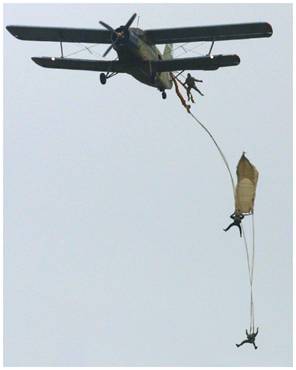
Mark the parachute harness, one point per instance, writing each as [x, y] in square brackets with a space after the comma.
[250, 264]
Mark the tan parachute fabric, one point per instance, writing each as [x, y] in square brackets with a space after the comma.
[247, 177]
[180, 96]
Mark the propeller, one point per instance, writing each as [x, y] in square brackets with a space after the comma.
[130, 21]
[109, 28]
[108, 50]
[119, 33]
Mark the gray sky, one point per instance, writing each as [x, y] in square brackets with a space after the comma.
[115, 200]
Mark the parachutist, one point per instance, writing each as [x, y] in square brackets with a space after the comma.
[190, 84]
[237, 219]
[250, 339]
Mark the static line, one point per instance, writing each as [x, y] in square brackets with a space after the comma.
[250, 266]
[219, 149]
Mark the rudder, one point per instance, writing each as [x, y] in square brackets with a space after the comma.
[168, 52]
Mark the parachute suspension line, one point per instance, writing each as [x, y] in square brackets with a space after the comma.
[219, 150]
[251, 272]
[253, 265]
[252, 316]
[247, 255]
[250, 280]
[253, 249]
[252, 312]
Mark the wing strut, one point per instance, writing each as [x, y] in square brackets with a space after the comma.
[62, 52]
[179, 73]
[211, 48]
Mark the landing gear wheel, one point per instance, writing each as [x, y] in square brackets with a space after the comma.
[103, 78]
[163, 95]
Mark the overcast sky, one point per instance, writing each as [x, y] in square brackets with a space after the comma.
[115, 200]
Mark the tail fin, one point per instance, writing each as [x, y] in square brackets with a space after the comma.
[168, 52]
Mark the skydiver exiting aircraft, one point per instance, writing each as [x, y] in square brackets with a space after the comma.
[237, 219]
[190, 84]
[250, 339]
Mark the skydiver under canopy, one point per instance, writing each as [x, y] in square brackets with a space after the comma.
[237, 219]
[250, 339]
[190, 84]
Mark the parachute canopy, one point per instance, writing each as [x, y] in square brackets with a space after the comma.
[247, 177]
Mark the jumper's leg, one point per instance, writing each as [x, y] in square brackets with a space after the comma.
[243, 342]
[228, 227]
[196, 89]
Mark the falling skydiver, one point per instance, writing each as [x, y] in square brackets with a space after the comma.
[250, 339]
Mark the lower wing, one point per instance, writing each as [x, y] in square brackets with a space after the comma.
[198, 63]
[81, 64]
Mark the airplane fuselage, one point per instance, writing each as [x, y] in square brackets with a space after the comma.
[134, 48]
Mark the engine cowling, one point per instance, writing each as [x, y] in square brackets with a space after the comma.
[123, 37]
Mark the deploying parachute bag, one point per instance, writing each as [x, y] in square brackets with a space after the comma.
[247, 177]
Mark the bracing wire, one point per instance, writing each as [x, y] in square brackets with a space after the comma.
[189, 50]
[178, 47]
[81, 50]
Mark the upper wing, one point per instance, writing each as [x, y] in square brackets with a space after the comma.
[157, 36]
[60, 34]
[198, 63]
[209, 33]
[81, 64]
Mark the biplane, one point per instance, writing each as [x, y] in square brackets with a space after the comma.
[137, 51]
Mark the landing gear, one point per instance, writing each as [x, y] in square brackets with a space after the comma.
[163, 95]
[103, 78]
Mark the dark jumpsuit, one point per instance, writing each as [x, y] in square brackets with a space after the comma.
[237, 218]
[250, 339]
[190, 82]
